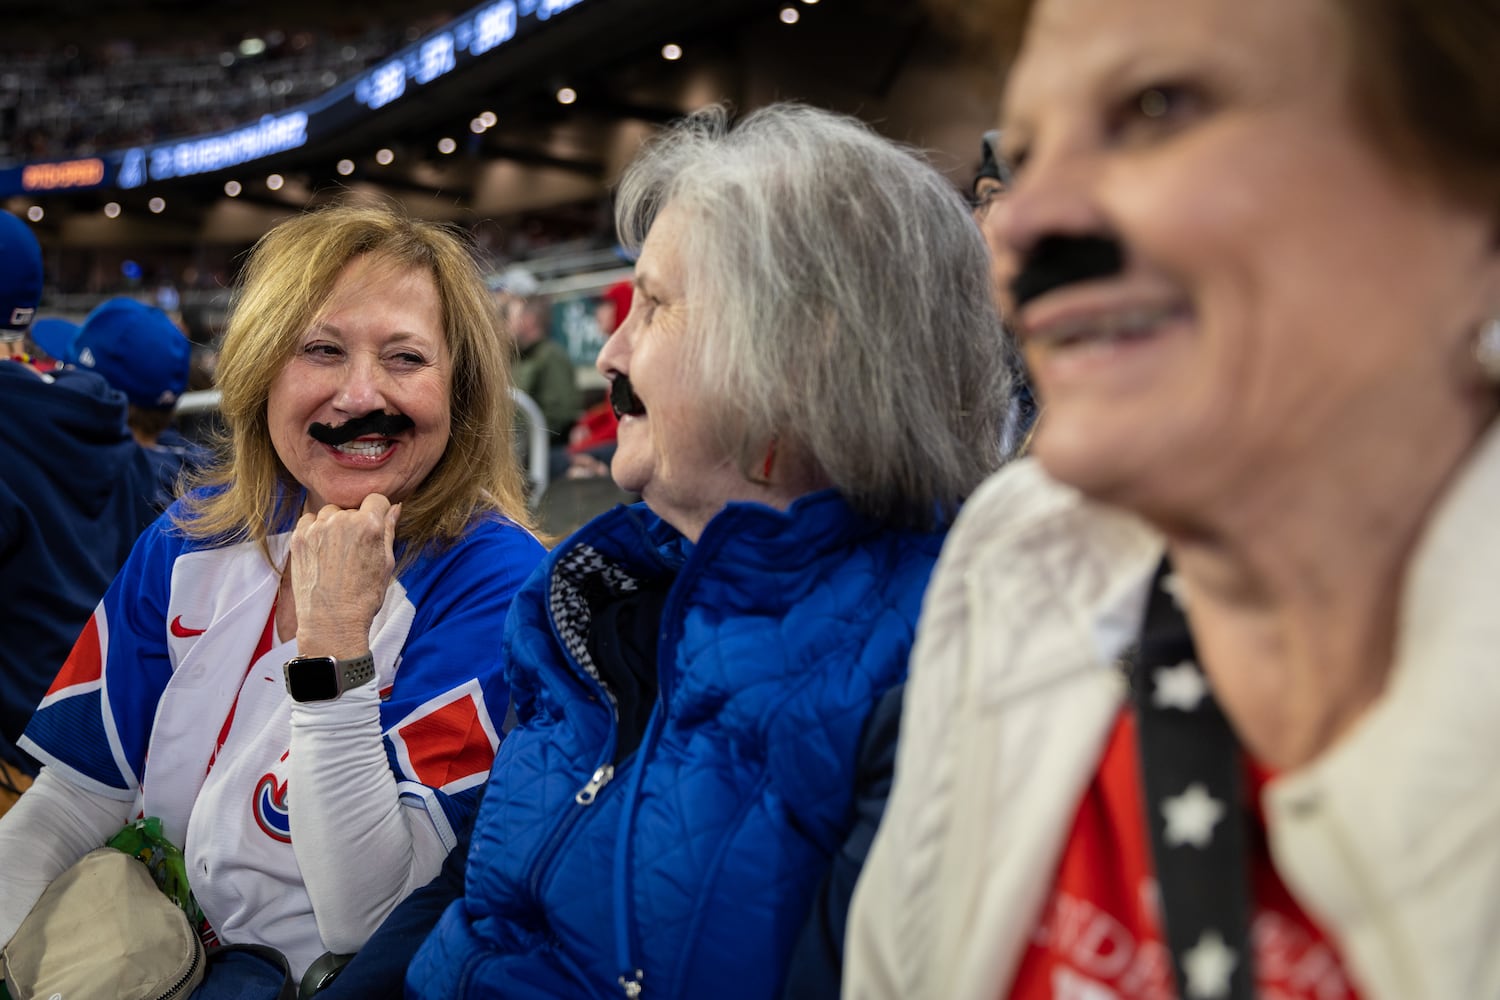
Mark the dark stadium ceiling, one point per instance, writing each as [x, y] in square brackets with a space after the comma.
[539, 154]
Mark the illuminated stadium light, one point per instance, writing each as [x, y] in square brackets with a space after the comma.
[477, 126]
[35, 213]
[810, 2]
[112, 210]
[671, 52]
[252, 47]
[446, 145]
[232, 188]
[567, 95]
[789, 15]
[489, 118]
[345, 167]
[384, 157]
[157, 205]
[274, 182]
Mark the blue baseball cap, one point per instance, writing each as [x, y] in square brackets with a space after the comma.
[20, 276]
[55, 337]
[137, 349]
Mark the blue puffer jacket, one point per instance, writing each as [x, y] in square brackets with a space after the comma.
[694, 859]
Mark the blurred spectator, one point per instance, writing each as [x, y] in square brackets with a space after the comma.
[515, 282]
[543, 370]
[50, 342]
[992, 182]
[993, 178]
[591, 442]
[142, 353]
[74, 495]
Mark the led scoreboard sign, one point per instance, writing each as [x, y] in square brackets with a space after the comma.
[87, 172]
[473, 36]
[272, 134]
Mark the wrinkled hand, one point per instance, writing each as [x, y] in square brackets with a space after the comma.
[341, 564]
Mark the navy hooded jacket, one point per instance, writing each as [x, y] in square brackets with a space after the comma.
[75, 491]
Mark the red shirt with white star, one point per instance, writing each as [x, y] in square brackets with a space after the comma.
[1100, 937]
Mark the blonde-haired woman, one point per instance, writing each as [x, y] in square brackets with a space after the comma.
[297, 670]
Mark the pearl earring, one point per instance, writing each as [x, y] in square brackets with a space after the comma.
[1487, 349]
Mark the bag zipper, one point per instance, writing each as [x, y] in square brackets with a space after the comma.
[192, 969]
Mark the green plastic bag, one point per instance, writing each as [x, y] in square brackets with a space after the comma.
[144, 840]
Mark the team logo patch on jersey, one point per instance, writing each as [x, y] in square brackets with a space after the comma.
[449, 742]
[270, 809]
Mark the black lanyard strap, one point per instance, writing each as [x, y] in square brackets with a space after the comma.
[1193, 779]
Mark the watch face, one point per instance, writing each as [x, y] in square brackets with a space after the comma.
[314, 678]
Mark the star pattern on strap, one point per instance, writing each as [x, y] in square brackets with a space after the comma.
[1192, 771]
[1208, 966]
[1191, 817]
[1171, 585]
[1181, 687]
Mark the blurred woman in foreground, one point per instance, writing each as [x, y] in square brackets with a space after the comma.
[1208, 690]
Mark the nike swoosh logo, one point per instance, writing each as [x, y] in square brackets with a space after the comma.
[183, 632]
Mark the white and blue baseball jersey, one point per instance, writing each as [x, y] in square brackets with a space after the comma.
[173, 697]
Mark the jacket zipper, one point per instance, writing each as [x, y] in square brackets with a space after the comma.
[632, 977]
[586, 796]
[602, 776]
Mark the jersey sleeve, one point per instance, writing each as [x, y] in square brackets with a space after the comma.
[95, 720]
[445, 711]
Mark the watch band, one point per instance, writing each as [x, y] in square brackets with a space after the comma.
[355, 672]
[324, 678]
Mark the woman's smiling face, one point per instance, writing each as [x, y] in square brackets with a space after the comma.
[378, 346]
[1279, 281]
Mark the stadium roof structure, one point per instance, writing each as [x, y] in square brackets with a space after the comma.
[510, 106]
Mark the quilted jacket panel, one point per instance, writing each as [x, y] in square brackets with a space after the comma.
[696, 862]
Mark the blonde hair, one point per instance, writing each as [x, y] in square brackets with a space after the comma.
[286, 283]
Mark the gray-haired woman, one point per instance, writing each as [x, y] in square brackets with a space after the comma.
[810, 380]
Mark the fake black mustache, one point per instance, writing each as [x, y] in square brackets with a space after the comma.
[622, 398]
[1056, 261]
[380, 423]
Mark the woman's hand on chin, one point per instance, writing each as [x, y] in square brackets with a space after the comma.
[341, 564]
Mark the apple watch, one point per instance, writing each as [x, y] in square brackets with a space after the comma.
[323, 678]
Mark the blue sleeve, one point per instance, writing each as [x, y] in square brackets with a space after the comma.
[816, 967]
[445, 711]
[95, 720]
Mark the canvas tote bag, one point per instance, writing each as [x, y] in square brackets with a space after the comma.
[103, 931]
